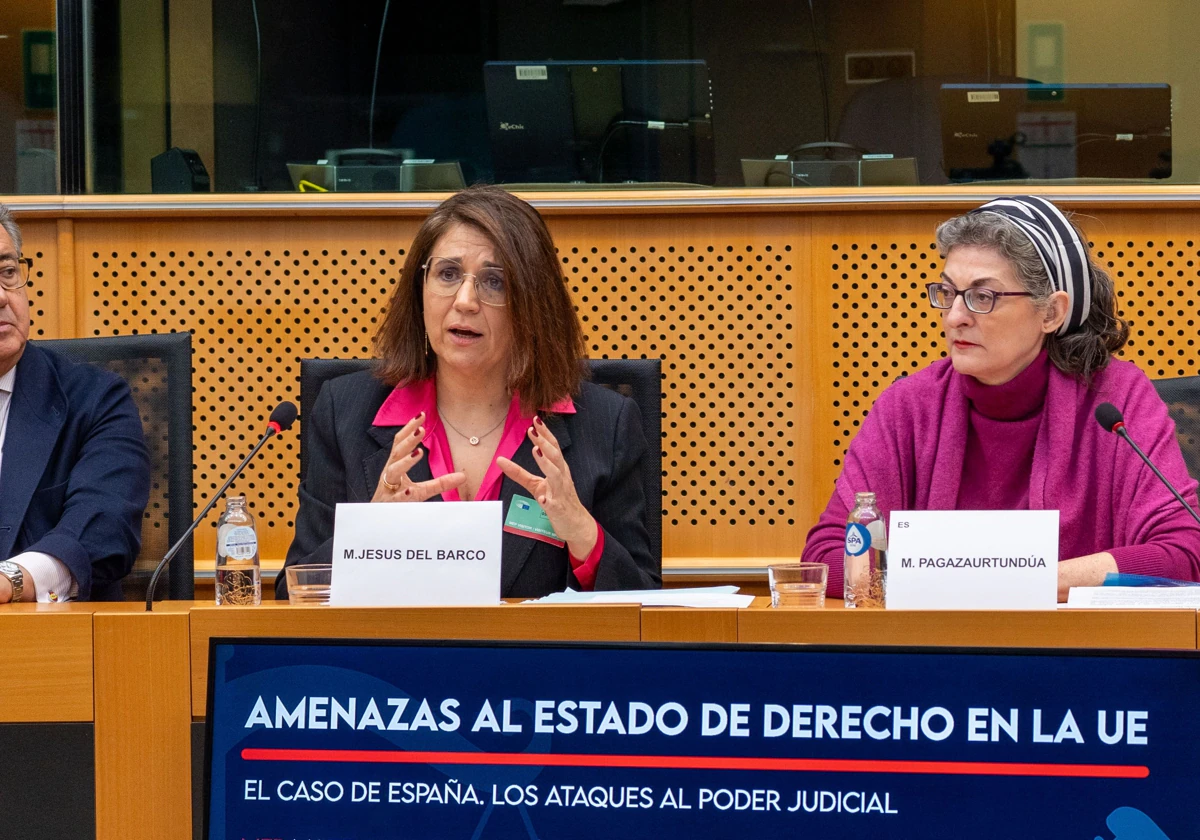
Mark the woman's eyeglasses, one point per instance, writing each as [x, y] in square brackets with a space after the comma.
[979, 300]
[444, 277]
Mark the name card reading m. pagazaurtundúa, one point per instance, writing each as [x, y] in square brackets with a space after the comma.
[973, 560]
[392, 555]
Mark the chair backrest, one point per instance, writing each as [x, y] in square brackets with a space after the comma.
[638, 379]
[158, 369]
[641, 381]
[1182, 396]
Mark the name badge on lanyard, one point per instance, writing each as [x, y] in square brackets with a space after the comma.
[527, 519]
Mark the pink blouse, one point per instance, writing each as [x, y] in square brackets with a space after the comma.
[405, 403]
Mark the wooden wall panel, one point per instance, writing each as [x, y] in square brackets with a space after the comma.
[143, 725]
[778, 326]
[47, 285]
[50, 663]
[722, 300]
[873, 324]
[258, 296]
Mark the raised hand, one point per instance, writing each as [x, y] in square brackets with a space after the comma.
[554, 490]
[394, 484]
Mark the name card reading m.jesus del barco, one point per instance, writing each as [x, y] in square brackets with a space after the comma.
[973, 560]
[387, 555]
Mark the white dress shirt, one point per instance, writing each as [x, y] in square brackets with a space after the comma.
[49, 575]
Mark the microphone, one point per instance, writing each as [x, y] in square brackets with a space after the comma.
[280, 421]
[1109, 416]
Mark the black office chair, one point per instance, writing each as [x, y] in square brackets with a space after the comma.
[638, 379]
[1182, 396]
[158, 369]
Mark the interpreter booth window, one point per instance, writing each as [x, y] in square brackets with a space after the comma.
[28, 98]
[377, 96]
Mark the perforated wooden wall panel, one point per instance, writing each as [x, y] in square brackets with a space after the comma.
[721, 302]
[720, 306]
[40, 241]
[257, 296]
[777, 330]
[880, 326]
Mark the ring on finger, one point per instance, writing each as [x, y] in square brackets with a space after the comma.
[391, 487]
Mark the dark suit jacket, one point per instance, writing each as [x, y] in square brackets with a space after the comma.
[75, 475]
[602, 443]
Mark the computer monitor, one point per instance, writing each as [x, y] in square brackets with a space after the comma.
[600, 121]
[1040, 131]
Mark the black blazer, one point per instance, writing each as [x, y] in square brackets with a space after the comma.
[602, 443]
[75, 476]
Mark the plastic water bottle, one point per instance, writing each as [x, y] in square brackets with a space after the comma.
[865, 554]
[239, 581]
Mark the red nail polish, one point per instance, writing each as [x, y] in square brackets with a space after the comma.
[533, 431]
[538, 450]
[538, 420]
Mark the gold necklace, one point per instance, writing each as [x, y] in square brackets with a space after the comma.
[471, 439]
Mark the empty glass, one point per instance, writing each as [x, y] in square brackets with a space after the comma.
[309, 584]
[798, 584]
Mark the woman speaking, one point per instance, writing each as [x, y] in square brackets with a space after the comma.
[1006, 422]
[477, 395]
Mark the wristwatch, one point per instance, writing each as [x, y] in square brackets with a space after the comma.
[13, 572]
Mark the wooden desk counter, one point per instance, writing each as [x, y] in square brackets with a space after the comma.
[835, 625]
[50, 663]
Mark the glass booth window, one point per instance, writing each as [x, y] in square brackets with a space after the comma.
[28, 94]
[319, 95]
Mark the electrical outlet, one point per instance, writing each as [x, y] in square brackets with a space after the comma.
[866, 67]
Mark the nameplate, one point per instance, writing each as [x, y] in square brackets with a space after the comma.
[973, 560]
[415, 554]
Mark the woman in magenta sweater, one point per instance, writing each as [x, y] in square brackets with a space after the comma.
[1006, 422]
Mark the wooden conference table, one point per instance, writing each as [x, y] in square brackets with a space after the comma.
[141, 678]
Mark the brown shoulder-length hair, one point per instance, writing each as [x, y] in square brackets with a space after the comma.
[547, 341]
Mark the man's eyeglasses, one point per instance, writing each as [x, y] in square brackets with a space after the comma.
[15, 273]
[979, 300]
[444, 277]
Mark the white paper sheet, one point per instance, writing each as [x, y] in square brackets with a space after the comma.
[706, 596]
[1134, 597]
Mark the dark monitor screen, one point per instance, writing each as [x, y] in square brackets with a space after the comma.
[600, 121]
[1040, 131]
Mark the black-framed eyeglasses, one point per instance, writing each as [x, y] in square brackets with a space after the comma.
[979, 300]
[444, 276]
[14, 274]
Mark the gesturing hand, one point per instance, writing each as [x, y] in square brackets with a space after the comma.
[394, 484]
[555, 492]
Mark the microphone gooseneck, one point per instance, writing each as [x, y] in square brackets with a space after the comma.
[1110, 417]
[281, 420]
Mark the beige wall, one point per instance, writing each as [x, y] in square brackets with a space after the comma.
[1119, 41]
[143, 90]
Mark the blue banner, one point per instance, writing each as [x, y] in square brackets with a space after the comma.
[332, 740]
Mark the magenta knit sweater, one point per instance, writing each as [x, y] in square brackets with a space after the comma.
[938, 440]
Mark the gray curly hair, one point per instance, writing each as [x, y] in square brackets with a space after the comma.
[1083, 352]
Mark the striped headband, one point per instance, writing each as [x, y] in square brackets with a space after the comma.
[1063, 255]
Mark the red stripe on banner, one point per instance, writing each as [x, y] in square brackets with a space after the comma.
[696, 762]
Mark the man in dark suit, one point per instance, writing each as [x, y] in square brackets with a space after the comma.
[74, 471]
